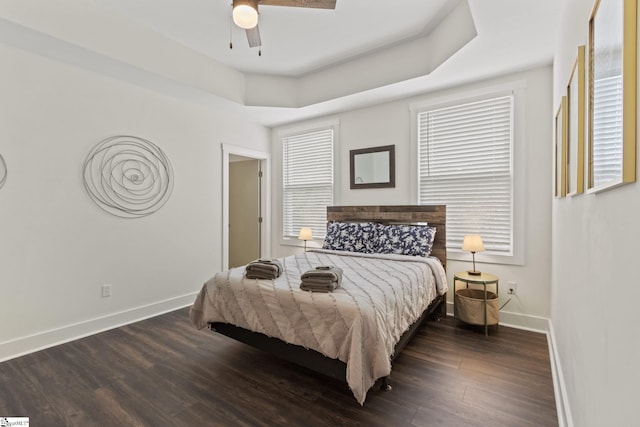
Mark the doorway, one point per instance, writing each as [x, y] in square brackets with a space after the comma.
[245, 192]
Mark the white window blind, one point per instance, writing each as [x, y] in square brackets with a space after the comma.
[307, 175]
[465, 162]
[606, 145]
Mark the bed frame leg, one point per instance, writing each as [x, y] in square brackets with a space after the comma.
[385, 384]
[441, 310]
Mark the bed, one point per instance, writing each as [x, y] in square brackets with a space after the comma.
[353, 333]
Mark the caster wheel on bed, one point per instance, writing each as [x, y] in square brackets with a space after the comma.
[385, 386]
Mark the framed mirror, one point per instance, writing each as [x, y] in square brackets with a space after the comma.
[373, 167]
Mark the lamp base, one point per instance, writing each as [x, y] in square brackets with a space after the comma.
[474, 273]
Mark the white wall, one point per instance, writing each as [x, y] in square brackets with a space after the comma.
[56, 246]
[390, 123]
[594, 277]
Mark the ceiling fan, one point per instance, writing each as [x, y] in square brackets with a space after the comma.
[245, 13]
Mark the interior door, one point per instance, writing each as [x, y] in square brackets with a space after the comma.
[244, 210]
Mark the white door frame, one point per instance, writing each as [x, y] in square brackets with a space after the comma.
[265, 208]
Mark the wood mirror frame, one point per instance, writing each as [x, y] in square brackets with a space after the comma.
[363, 177]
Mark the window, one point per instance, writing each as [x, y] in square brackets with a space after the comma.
[465, 162]
[307, 178]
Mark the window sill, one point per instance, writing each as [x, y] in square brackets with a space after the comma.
[485, 257]
[315, 244]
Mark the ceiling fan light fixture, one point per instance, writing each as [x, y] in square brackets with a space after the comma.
[245, 13]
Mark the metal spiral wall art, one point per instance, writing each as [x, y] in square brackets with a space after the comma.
[3, 171]
[128, 176]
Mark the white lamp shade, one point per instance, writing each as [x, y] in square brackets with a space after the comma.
[472, 243]
[245, 13]
[305, 234]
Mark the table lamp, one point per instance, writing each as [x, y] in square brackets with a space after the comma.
[473, 243]
[305, 234]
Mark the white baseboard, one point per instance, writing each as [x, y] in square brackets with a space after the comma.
[517, 320]
[31, 343]
[559, 387]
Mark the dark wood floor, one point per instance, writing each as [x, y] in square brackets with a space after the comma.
[163, 372]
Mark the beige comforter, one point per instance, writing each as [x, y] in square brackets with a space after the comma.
[359, 323]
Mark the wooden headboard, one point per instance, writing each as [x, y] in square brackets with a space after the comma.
[434, 215]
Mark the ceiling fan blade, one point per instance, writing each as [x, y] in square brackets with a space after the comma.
[253, 36]
[317, 4]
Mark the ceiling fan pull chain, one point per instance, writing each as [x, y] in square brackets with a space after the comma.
[231, 29]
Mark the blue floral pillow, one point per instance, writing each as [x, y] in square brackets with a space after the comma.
[405, 239]
[351, 237]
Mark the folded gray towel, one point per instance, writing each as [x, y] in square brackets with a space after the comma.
[263, 269]
[319, 287]
[323, 273]
[321, 279]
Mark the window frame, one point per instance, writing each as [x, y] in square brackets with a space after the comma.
[517, 89]
[279, 135]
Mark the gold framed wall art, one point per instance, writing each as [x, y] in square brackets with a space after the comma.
[612, 94]
[576, 126]
[560, 139]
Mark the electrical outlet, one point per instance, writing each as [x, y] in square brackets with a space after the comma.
[106, 291]
[513, 287]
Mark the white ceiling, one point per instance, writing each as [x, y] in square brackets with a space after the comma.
[295, 40]
[314, 62]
